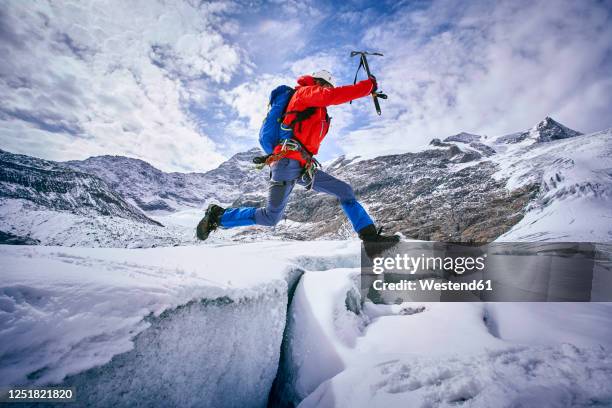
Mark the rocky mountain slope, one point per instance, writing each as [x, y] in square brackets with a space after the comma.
[46, 202]
[425, 196]
[51, 186]
[465, 187]
[153, 190]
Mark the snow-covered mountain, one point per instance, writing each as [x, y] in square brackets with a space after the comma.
[112, 200]
[472, 187]
[153, 190]
[49, 203]
[48, 185]
[155, 324]
[545, 131]
[464, 187]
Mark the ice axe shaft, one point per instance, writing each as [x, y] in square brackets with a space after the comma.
[364, 62]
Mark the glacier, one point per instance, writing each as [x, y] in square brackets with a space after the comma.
[343, 351]
[193, 326]
[278, 324]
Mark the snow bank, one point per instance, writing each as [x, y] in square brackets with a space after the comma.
[342, 352]
[219, 352]
[158, 322]
[561, 376]
[581, 324]
[314, 346]
[330, 329]
[202, 326]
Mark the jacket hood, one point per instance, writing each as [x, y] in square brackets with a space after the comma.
[306, 80]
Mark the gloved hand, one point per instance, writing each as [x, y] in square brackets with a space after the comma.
[373, 79]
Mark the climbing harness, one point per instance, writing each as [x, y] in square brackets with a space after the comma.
[310, 167]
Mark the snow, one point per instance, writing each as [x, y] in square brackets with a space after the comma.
[64, 228]
[341, 352]
[582, 324]
[66, 310]
[569, 220]
[574, 200]
[326, 337]
[108, 319]
[560, 376]
[578, 158]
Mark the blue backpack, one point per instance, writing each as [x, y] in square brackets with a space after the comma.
[271, 132]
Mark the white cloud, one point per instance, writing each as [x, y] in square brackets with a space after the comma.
[313, 63]
[275, 39]
[488, 67]
[82, 77]
[249, 100]
[85, 78]
[299, 8]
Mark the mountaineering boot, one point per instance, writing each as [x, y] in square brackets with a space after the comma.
[374, 243]
[370, 234]
[210, 222]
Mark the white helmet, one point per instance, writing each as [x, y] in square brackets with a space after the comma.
[324, 75]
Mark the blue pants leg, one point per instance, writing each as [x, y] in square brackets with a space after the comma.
[285, 173]
[355, 212]
[238, 217]
[283, 177]
[278, 196]
[282, 180]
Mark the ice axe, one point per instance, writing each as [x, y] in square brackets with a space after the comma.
[364, 63]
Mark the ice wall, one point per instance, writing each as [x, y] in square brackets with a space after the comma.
[186, 326]
[191, 356]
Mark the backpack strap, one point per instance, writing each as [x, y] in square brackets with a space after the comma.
[300, 116]
[355, 80]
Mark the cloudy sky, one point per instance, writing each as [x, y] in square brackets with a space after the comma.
[184, 84]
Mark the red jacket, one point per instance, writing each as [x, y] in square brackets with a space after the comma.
[310, 132]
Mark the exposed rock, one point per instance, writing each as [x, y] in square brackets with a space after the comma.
[549, 130]
[52, 186]
[437, 142]
[152, 189]
[463, 137]
[483, 148]
[545, 131]
[419, 195]
[7, 238]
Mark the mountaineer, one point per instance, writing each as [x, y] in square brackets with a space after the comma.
[304, 122]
